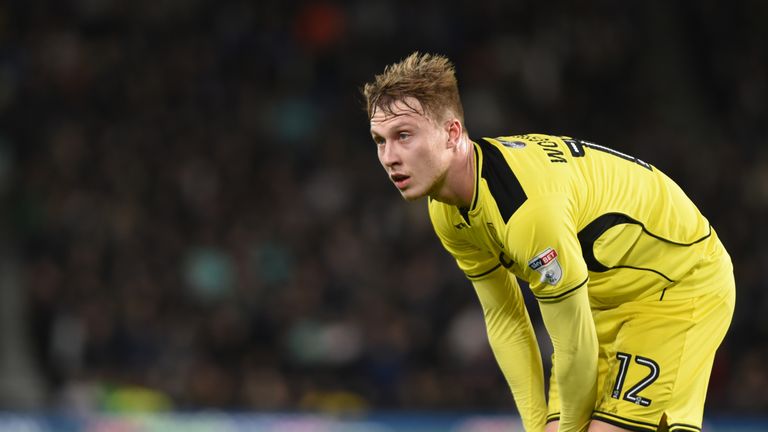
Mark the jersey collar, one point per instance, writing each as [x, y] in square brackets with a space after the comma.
[475, 192]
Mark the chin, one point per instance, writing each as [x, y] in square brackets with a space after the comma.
[412, 195]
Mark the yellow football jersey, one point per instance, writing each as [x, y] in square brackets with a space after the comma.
[560, 212]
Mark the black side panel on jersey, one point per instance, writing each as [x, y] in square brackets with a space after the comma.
[502, 182]
[590, 233]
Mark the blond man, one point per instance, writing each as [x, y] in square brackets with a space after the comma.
[634, 287]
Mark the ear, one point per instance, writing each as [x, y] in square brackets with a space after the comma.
[455, 130]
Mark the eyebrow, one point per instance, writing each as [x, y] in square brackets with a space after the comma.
[396, 125]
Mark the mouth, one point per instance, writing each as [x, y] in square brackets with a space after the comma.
[400, 180]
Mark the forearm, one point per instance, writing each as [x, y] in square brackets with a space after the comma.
[514, 345]
[571, 328]
[520, 362]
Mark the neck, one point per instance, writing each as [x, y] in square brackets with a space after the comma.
[458, 186]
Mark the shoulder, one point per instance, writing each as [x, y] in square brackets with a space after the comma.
[540, 164]
[544, 209]
[500, 176]
[527, 152]
[524, 141]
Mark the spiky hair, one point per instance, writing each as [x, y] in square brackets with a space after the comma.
[428, 78]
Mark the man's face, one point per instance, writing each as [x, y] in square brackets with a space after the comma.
[412, 148]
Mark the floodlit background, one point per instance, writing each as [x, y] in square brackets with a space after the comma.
[194, 217]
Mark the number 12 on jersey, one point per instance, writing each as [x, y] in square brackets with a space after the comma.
[632, 395]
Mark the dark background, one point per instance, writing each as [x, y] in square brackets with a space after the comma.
[196, 218]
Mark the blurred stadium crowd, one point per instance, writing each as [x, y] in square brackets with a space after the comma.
[198, 220]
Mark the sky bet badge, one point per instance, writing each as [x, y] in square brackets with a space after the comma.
[547, 265]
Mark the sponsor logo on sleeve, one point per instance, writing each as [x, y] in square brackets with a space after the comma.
[548, 266]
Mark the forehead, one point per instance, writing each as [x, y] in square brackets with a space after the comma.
[400, 111]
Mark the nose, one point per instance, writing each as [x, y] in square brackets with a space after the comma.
[388, 155]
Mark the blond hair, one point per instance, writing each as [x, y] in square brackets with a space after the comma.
[428, 78]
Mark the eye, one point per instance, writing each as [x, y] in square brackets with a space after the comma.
[378, 140]
[402, 136]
